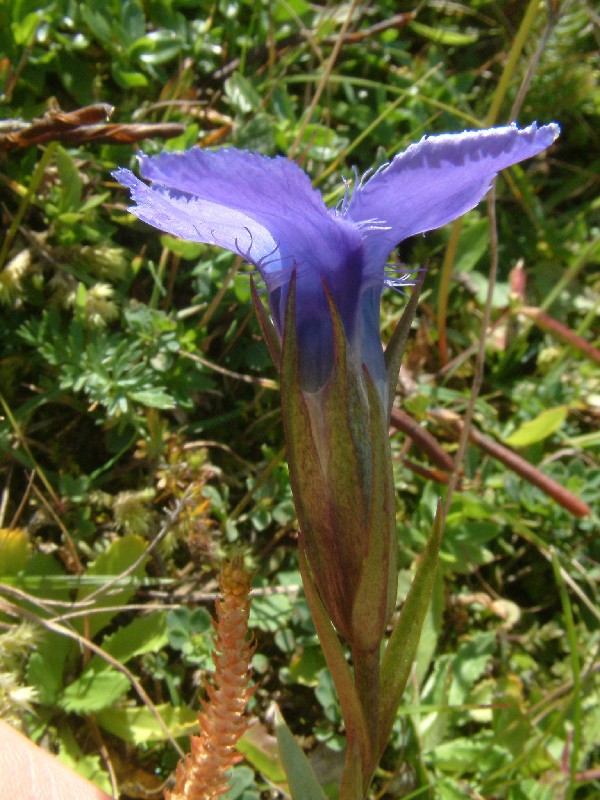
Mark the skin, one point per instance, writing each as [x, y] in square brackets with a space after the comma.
[29, 773]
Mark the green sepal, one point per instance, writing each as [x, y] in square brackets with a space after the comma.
[352, 710]
[329, 457]
[402, 645]
[305, 467]
[308, 482]
[267, 327]
[395, 349]
[372, 607]
[300, 775]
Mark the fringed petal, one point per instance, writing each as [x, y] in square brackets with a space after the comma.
[437, 180]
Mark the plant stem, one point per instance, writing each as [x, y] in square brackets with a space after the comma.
[575, 748]
[523, 34]
[367, 679]
[480, 360]
[492, 117]
[324, 78]
[34, 183]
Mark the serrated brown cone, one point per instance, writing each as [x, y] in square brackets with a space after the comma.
[204, 773]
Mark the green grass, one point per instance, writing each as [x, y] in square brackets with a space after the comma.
[141, 437]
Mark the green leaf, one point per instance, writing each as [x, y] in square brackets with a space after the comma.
[469, 665]
[260, 749]
[88, 766]
[153, 398]
[181, 247]
[242, 785]
[395, 349]
[447, 789]
[531, 789]
[305, 668]
[156, 47]
[24, 29]
[70, 183]
[431, 630]
[14, 548]
[538, 429]
[139, 725]
[474, 241]
[98, 687]
[117, 558]
[471, 755]
[143, 635]
[98, 22]
[127, 78]
[402, 645]
[443, 35]
[241, 94]
[46, 665]
[301, 778]
[269, 613]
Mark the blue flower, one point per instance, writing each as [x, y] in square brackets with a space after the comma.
[266, 210]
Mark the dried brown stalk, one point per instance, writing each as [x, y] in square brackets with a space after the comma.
[426, 443]
[561, 332]
[204, 773]
[520, 466]
[422, 439]
[80, 126]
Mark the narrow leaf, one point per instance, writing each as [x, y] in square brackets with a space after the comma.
[374, 601]
[301, 778]
[395, 349]
[402, 646]
[440, 35]
[267, 327]
[352, 711]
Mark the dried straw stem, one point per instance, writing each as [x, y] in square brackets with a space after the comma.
[204, 773]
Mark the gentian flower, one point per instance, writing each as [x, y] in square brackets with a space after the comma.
[266, 210]
[324, 271]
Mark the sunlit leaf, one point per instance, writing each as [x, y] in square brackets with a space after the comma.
[448, 36]
[14, 548]
[138, 725]
[300, 775]
[536, 430]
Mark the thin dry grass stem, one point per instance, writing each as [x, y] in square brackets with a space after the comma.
[204, 773]
[480, 361]
[324, 78]
[16, 611]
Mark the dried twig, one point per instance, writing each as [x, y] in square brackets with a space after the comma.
[339, 41]
[81, 126]
[16, 611]
[261, 52]
[561, 332]
[519, 465]
[421, 437]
